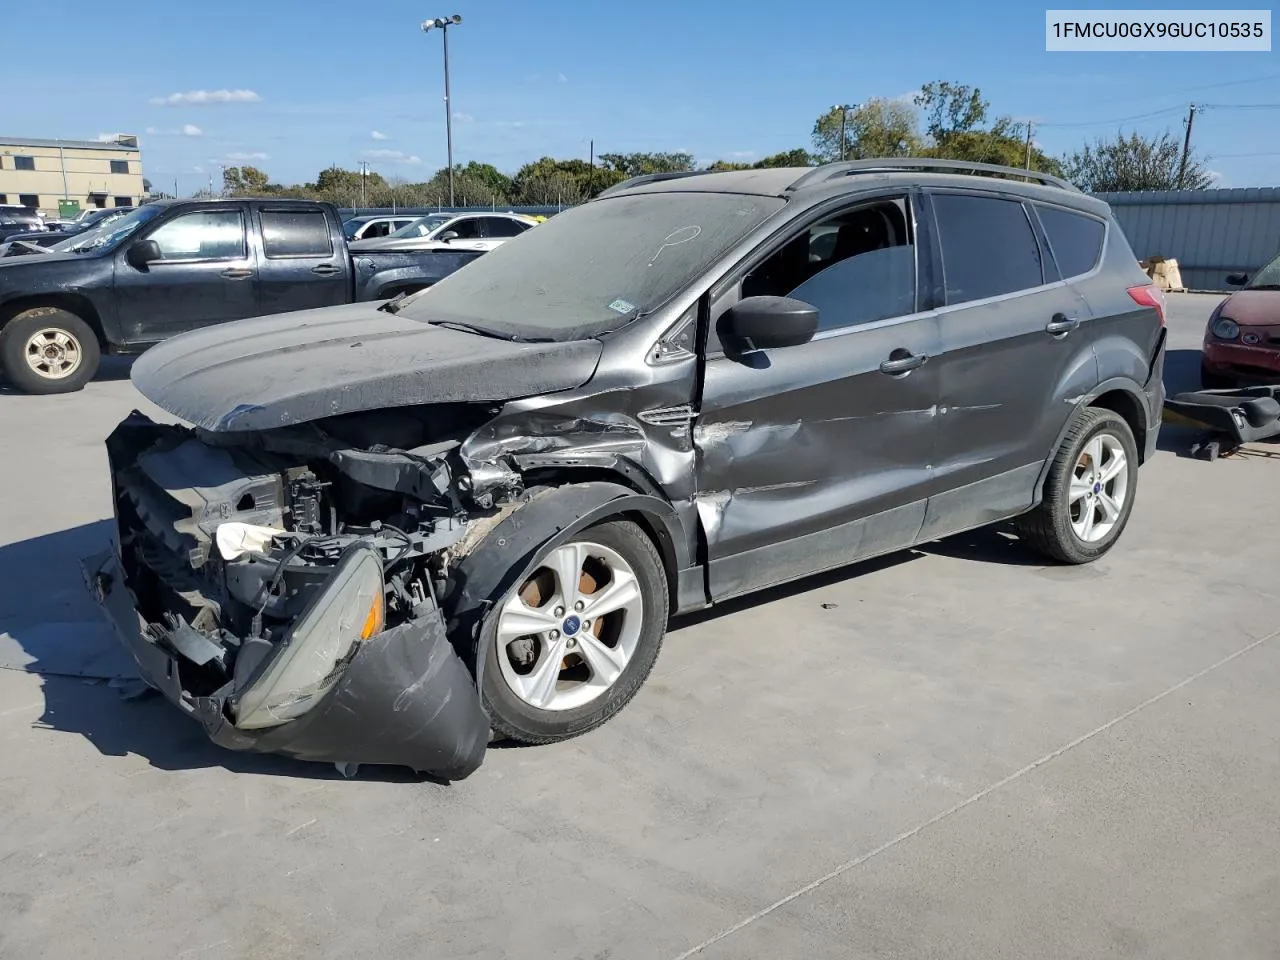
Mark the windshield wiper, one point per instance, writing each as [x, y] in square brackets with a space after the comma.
[395, 303]
[468, 328]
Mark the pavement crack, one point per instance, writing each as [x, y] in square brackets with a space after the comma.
[848, 865]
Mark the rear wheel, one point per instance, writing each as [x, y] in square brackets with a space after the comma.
[570, 645]
[48, 350]
[1089, 492]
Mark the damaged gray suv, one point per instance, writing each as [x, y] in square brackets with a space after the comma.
[392, 533]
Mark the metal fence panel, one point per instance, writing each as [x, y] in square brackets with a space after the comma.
[1209, 232]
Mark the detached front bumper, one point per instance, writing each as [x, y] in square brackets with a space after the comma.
[404, 699]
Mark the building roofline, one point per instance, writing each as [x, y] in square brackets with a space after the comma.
[130, 143]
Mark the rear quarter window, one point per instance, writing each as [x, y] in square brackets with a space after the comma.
[295, 233]
[1074, 239]
[988, 247]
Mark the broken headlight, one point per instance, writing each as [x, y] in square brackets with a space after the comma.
[311, 657]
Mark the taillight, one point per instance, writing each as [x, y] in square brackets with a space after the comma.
[1149, 295]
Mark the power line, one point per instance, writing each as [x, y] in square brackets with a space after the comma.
[1099, 123]
[1196, 89]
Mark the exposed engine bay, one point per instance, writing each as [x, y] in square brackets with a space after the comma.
[264, 565]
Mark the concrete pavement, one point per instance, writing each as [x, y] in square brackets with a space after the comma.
[956, 752]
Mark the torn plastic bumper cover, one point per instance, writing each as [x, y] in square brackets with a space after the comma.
[401, 696]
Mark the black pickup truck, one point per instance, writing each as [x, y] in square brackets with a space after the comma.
[176, 265]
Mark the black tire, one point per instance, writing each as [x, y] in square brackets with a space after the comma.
[1047, 529]
[1215, 381]
[16, 335]
[511, 718]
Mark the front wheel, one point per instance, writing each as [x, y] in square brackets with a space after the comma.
[47, 350]
[1089, 492]
[570, 645]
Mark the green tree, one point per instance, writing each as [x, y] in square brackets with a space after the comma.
[719, 166]
[638, 164]
[239, 181]
[799, 157]
[1135, 162]
[877, 128]
[497, 182]
[951, 108]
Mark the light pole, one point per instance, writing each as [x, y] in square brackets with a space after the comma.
[443, 24]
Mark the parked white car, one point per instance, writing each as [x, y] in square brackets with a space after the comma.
[368, 228]
[470, 231]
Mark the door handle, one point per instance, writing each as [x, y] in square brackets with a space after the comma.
[900, 361]
[237, 273]
[325, 270]
[1061, 324]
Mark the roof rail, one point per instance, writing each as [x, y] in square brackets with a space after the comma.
[846, 168]
[648, 178]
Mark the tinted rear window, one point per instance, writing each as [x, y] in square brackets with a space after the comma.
[1076, 240]
[295, 233]
[988, 247]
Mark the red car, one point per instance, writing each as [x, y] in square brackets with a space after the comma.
[1242, 338]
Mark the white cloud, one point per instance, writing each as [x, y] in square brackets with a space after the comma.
[742, 154]
[154, 131]
[248, 156]
[191, 130]
[463, 117]
[197, 169]
[391, 156]
[562, 78]
[203, 97]
[378, 135]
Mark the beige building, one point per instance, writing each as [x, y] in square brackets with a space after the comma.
[54, 175]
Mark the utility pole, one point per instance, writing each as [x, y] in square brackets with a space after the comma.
[591, 177]
[364, 172]
[844, 118]
[443, 24]
[1029, 126]
[1186, 146]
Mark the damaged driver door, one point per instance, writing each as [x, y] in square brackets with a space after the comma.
[819, 454]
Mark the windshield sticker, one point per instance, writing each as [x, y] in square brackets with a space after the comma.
[621, 306]
[676, 237]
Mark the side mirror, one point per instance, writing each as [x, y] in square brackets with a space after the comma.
[1237, 279]
[143, 253]
[763, 323]
[447, 236]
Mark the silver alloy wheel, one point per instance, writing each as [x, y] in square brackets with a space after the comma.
[53, 354]
[568, 632]
[1099, 486]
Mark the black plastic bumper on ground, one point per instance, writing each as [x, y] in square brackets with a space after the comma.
[405, 699]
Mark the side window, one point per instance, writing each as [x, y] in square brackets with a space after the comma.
[502, 227]
[205, 235]
[466, 229]
[988, 247]
[295, 233]
[379, 228]
[856, 267]
[1074, 239]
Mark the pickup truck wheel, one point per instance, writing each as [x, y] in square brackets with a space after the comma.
[571, 645]
[47, 350]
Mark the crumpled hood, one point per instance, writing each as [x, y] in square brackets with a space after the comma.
[1253, 308]
[269, 372]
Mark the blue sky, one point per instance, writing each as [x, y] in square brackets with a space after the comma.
[292, 87]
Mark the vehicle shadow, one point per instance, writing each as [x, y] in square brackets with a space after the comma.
[112, 369]
[51, 626]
